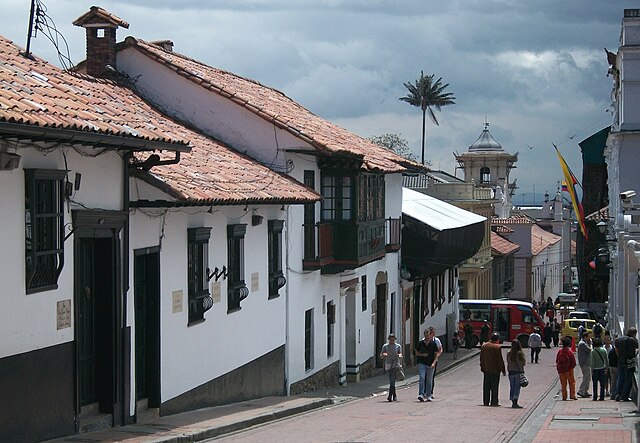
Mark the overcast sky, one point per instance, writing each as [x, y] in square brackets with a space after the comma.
[535, 68]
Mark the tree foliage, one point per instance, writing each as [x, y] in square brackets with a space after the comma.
[395, 143]
[427, 94]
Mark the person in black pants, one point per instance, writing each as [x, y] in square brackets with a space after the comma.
[491, 365]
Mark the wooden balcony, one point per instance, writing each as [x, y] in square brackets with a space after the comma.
[336, 247]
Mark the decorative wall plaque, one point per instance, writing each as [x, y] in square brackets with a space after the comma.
[176, 299]
[63, 314]
[255, 282]
[215, 292]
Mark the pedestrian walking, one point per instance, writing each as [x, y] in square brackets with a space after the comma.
[599, 364]
[584, 361]
[438, 343]
[484, 333]
[597, 330]
[424, 358]
[491, 365]
[555, 331]
[565, 362]
[535, 344]
[627, 349]
[548, 335]
[391, 354]
[468, 335]
[456, 344]
[515, 365]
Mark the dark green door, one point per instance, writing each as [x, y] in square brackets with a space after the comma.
[95, 304]
[147, 327]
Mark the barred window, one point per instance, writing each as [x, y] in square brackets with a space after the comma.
[44, 228]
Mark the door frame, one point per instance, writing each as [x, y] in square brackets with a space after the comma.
[103, 224]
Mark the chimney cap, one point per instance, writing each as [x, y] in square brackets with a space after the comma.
[97, 16]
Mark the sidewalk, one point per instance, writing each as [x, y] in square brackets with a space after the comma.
[584, 420]
[211, 422]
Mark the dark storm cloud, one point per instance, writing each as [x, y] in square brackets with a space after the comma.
[535, 68]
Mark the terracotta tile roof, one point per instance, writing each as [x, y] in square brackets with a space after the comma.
[36, 93]
[502, 246]
[502, 229]
[276, 108]
[541, 239]
[214, 174]
[515, 219]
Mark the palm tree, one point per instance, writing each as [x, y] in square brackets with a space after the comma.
[427, 94]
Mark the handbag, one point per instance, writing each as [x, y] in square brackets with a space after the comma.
[399, 372]
[524, 381]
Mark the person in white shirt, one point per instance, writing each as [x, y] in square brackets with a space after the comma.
[535, 344]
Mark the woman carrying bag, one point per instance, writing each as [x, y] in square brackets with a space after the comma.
[391, 354]
[515, 365]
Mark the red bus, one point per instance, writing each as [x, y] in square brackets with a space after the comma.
[513, 320]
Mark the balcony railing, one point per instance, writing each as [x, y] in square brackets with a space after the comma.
[334, 247]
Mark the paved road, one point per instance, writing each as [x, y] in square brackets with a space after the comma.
[457, 413]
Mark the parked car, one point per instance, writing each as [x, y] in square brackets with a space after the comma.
[571, 325]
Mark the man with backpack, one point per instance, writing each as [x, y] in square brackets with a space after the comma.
[597, 330]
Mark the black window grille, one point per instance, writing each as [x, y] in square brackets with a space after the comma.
[197, 263]
[44, 228]
[237, 289]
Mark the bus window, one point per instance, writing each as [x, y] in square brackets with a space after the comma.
[475, 312]
[527, 314]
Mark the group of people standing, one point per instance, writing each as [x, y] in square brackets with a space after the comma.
[608, 366]
[492, 365]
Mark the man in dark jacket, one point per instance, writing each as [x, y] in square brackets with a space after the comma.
[491, 364]
[626, 348]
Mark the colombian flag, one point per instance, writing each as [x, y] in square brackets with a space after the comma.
[565, 188]
[570, 182]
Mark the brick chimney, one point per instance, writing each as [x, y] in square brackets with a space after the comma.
[101, 28]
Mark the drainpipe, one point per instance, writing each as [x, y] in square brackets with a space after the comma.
[126, 396]
[287, 385]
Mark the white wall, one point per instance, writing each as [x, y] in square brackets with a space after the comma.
[28, 321]
[193, 355]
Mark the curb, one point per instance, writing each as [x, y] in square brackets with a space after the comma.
[217, 431]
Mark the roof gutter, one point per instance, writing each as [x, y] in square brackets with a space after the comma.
[32, 132]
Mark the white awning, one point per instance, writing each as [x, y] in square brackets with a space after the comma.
[436, 213]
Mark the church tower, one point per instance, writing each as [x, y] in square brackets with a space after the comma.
[487, 165]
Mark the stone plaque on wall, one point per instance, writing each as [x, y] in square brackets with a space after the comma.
[215, 292]
[63, 314]
[255, 282]
[176, 299]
